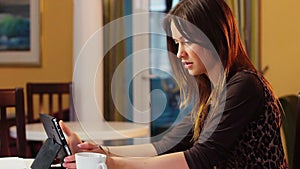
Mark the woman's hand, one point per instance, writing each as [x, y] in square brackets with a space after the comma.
[76, 146]
[72, 138]
[69, 162]
[90, 147]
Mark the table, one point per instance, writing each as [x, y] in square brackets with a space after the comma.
[110, 131]
[19, 163]
[15, 163]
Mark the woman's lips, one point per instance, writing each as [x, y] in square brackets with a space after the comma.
[188, 65]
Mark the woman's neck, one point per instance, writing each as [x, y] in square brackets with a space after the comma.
[215, 74]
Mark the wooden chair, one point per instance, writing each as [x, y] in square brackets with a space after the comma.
[46, 98]
[51, 92]
[291, 129]
[296, 160]
[12, 98]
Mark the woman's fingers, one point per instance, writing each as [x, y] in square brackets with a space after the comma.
[69, 162]
[72, 138]
[65, 128]
[87, 145]
[69, 165]
[91, 147]
[69, 159]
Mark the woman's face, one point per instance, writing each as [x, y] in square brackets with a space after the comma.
[190, 53]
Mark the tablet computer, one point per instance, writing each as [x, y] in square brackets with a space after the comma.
[55, 148]
[54, 132]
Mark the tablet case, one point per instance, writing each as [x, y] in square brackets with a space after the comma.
[53, 147]
[46, 155]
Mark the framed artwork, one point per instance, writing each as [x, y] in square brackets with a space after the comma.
[19, 33]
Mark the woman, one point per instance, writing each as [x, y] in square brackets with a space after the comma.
[235, 121]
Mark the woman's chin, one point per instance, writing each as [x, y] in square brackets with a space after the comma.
[192, 73]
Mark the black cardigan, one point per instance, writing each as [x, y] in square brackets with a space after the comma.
[244, 133]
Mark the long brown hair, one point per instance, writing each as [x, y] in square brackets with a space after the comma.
[216, 22]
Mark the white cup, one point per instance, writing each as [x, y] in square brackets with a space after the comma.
[90, 160]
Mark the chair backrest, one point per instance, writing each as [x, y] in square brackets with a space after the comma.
[296, 161]
[12, 98]
[50, 100]
[290, 105]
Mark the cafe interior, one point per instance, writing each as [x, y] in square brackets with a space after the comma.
[61, 67]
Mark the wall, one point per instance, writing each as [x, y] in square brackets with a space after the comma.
[280, 44]
[280, 40]
[56, 48]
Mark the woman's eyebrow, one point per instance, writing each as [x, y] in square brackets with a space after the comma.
[177, 39]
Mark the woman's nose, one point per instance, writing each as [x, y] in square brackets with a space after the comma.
[181, 51]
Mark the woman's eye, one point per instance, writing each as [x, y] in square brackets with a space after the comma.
[186, 42]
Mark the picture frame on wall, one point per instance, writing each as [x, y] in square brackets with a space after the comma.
[19, 33]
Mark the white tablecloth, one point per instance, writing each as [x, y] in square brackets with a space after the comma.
[15, 163]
